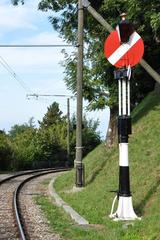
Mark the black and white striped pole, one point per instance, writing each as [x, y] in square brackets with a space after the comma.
[124, 48]
[125, 209]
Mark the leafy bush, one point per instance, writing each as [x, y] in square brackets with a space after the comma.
[5, 152]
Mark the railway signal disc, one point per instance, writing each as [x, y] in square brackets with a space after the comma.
[123, 54]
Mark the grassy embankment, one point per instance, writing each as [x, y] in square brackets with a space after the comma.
[94, 202]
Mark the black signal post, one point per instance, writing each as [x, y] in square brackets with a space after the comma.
[125, 209]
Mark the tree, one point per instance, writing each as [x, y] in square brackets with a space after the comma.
[51, 138]
[49, 143]
[5, 152]
[21, 138]
[24, 149]
[18, 129]
[53, 116]
[47, 150]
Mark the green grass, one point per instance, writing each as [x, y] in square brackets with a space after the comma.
[101, 167]
[63, 225]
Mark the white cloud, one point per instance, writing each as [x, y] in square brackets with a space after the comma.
[21, 17]
[28, 59]
[15, 18]
[22, 58]
[42, 60]
[44, 38]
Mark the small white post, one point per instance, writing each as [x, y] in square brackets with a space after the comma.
[124, 110]
[120, 96]
[123, 155]
[128, 86]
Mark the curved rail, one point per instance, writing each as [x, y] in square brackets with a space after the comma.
[18, 216]
[25, 173]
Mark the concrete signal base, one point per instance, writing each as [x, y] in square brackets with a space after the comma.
[125, 210]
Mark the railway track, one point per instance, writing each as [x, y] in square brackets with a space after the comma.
[13, 224]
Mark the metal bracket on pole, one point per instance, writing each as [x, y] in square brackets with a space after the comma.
[86, 3]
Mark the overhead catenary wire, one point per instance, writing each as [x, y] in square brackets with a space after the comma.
[50, 95]
[12, 72]
[35, 45]
[44, 97]
[14, 75]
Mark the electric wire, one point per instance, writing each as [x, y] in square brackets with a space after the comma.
[44, 98]
[35, 45]
[14, 75]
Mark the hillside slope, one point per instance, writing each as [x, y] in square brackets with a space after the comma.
[101, 167]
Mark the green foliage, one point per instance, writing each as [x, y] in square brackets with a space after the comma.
[155, 24]
[18, 129]
[49, 148]
[147, 105]
[5, 152]
[63, 225]
[26, 147]
[53, 116]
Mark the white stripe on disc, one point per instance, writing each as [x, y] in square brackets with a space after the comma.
[123, 49]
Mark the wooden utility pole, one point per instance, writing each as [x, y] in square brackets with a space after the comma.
[78, 161]
[68, 128]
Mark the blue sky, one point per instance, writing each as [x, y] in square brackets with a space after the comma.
[38, 69]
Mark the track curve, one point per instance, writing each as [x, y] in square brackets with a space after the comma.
[11, 224]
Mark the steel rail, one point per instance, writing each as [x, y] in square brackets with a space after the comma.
[18, 215]
[23, 173]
